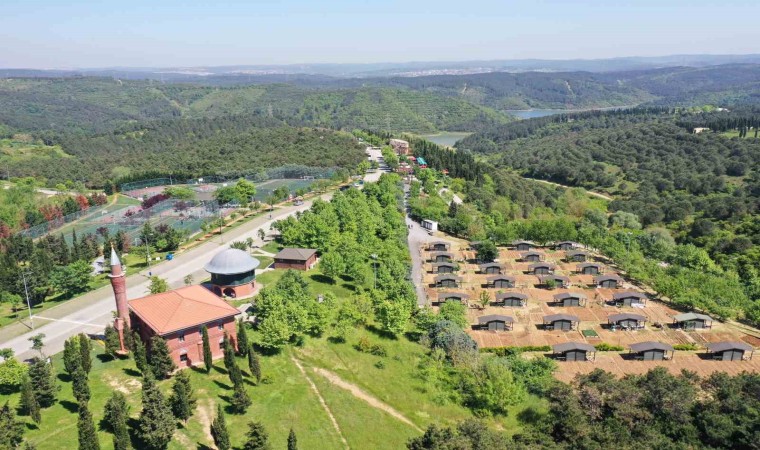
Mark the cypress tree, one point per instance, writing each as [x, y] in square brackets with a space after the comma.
[253, 364]
[88, 437]
[11, 430]
[43, 382]
[242, 337]
[155, 426]
[85, 349]
[80, 385]
[207, 357]
[182, 399]
[236, 377]
[240, 400]
[28, 402]
[292, 441]
[115, 416]
[112, 340]
[257, 438]
[71, 355]
[141, 358]
[161, 363]
[219, 430]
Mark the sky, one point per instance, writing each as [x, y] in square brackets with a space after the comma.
[190, 33]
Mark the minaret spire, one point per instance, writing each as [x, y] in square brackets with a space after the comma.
[119, 285]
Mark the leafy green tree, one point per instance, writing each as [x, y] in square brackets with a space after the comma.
[85, 351]
[244, 191]
[225, 195]
[240, 400]
[140, 354]
[160, 358]
[257, 437]
[38, 342]
[28, 403]
[207, 356]
[242, 338]
[72, 356]
[80, 385]
[11, 430]
[491, 388]
[43, 381]
[332, 265]
[292, 440]
[156, 425]
[393, 316]
[487, 251]
[115, 415]
[112, 343]
[455, 312]
[12, 372]
[157, 285]
[182, 399]
[88, 437]
[254, 365]
[72, 279]
[625, 219]
[219, 430]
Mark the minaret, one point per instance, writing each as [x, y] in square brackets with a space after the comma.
[119, 285]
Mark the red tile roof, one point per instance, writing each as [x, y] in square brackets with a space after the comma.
[181, 308]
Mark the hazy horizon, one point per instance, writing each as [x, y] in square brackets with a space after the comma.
[45, 34]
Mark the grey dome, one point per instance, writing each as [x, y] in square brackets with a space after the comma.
[231, 261]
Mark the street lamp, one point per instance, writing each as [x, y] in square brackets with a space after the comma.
[28, 302]
[374, 266]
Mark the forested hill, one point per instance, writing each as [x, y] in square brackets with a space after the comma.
[99, 104]
[230, 144]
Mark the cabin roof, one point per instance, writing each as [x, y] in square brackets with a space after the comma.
[564, 295]
[626, 316]
[651, 345]
[570, 346]
[494, 318]
[556, 317]
[729, 345]
[692, 316]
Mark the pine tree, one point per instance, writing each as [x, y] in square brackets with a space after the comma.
[182, 399]
[292, 441]
[253, 364]
[72, 357]
[85, 349]
[115, 416]
[43, 382]
[156, 425]
[139, 353]
[207, 357]
[161, 363]
[11, 430]
[80, 385]
[240, 400]
[88, 437]
[219, 430]
[257, 438]
[112, 340]
[28, 403]
[242, 337]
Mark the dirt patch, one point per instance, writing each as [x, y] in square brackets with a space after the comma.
[124, 386]
[204, 414]
[321, 401]
[357, 392]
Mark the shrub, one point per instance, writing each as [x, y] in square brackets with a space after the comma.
[365, 346]
[505, 351]
[605, 347]
[686, 347]
[380, 364]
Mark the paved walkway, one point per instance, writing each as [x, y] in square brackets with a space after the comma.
[91, 312]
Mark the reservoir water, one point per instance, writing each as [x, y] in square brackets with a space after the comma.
[446, 138]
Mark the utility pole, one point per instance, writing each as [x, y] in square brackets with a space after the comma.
[147, 252]
[28, 302]
[374, 266]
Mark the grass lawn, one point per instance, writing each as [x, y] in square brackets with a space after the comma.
[318, 283]
[265, 261]
[272, 247]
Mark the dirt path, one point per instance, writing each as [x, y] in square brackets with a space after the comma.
[595, 194]
[357, 392]
[321, 401]
[204, 413]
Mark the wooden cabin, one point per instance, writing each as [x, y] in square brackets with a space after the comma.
[652, 351]
[439, 246]
[500, 281]
[629, 298]
[627, 321]
[561, 322]
[590, 268]
[511, 299]
[566, 245]
[444, 268]
[693, 321]
[531, 257]
[440, 257]
[492, 268]
[522, 246]
[577, 256]
[608, 281]
[444, 297]
[541, 268]
[560, 281]
[495, 322]
[447, 280]
[570, 299]
[574, 351]
[730, 351]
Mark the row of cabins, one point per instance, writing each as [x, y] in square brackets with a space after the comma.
[521, 246]
[654, 351]
[449, 280]
[517, 299]
[443, 262]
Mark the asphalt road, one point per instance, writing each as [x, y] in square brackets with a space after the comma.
[91, 312]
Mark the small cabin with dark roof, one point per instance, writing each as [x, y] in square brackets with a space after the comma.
[574, 351]
[692, 321]
[542, 268]
[495, 322]
[627, 321]
[652, 351]
[577, 256]
[730, 351]
[511, 299]
[492, 268]
[532, 256]
[439, 246]
[444, 297]
[447, 280]
[500, 281]
[560, 281]
[569, 299]
[561, 322]
[522, 246]
[608, 281]
[628, 298]
[444, 267]
[565, 245]
[440, 257]
[295, 258]
[590, 268]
